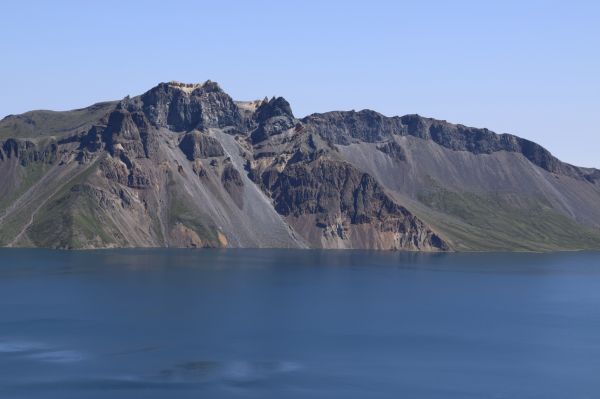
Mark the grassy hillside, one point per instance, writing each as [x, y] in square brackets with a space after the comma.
[34, 124]
[493, 221]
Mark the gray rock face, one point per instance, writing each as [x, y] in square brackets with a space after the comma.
[369, 126]
[181, 107]
[233, 183]
[27, 152]
[184, 165]
[196, 145]
[480, 141]
[346, 127]
[393, 150]
[273, 117]
[275, 107]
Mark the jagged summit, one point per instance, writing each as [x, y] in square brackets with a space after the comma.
[187, 87]
[185, 165]
[276, 106]
[183, 107]
[190, 88]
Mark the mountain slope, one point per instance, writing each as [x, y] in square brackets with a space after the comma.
[185, 165]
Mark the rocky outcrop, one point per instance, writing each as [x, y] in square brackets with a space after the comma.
[393, 150]
[273, 117]
[181, 107]
[186, 237]
[343, 128]
[234, 184]
[27, 152]
[481, 141]
[340, 197]
[196, 145]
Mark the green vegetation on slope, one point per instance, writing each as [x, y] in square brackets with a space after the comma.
[71, 218]
[29, 175]
[71, 221]
[182, 210]
[492, 221]
[46, 123]
[68, 219]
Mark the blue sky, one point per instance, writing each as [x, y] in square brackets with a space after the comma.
[531, 68]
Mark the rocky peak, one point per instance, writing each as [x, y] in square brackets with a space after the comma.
[183, 107]
[274, 117]
[276, 106]
[195, 88]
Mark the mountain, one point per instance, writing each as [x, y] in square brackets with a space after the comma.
[184, 165]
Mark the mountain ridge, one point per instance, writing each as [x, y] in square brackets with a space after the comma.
[185, 165]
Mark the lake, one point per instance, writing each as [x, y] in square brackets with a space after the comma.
[298, 324]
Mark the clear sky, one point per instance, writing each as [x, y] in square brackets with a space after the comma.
[531, 68]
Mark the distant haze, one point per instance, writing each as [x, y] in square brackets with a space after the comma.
[527, 68]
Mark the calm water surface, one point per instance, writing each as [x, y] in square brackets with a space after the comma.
[298, 324]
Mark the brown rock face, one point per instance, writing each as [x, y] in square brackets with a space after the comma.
[348, 206]
[186, 237]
